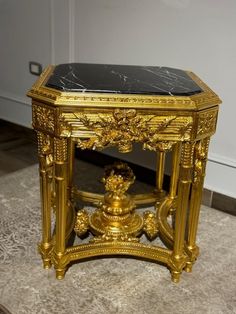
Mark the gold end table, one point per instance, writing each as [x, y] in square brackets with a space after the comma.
[93, 106]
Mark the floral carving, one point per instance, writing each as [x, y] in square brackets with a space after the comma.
[150, 226]
[118, 178]
[125, 127]
[207, 122]
[82, 222]
[163, 146]
[121, 129]
[43, 117]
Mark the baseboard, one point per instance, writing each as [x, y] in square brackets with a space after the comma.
[15, 109]
[221, 176]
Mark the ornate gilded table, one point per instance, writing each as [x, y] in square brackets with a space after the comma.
[94, 106]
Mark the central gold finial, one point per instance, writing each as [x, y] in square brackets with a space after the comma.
[118, 178]
[115, 218]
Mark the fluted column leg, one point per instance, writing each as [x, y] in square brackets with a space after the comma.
[61, 195]
[201, 150]
[174, 175]
[71, 161]
[175, 170]
[185, 179]
[160, 171]
[45, 171]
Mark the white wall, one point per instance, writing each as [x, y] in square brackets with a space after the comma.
[197, 35]
[30, 30]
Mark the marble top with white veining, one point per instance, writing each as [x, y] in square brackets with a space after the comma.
[122, 79]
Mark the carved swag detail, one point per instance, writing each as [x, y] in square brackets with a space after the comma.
[124, 128]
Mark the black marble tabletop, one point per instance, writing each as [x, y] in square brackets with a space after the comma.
[122, 79]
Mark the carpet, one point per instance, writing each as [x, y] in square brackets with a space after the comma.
[3, 310]
[109, 285]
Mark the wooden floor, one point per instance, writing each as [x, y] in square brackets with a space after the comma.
[18, 147]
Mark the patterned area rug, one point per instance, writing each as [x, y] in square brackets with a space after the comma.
[3, 310]
[109, 285]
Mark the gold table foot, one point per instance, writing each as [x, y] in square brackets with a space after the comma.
[60, 273]
[60, 262]
[47, 264]
[45, 249]
[175, 276]
[189, 266]
[193, 253]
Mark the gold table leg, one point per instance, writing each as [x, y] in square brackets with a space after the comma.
[175, 170]
[61, 184]
[71, 161]
[201, 150]
[160, 169]
[45, 171]
[185, 178]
